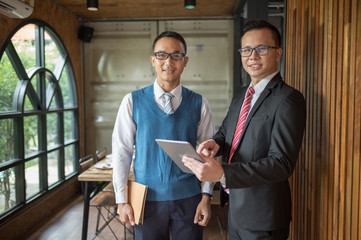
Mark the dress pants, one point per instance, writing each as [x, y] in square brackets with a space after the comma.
[244, 234]
[165, 218]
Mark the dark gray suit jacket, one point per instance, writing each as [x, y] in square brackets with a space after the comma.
[265, 157]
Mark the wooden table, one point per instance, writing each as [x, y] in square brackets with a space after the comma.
[94, 174]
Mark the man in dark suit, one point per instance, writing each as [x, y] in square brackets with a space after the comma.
[259, 140]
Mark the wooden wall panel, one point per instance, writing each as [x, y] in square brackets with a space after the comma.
[323, 61]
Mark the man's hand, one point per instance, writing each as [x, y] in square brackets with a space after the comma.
[210, 171]
[208, 148]
[125, 212]
[203, 213]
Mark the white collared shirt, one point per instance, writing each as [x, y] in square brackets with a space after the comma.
[258, 89]
[124, 136]
[159, 98]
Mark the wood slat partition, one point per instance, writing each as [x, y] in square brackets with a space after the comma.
[323, 61]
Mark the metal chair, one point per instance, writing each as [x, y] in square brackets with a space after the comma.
[106, 200]
[85, 163]
[100, 154]
[109, 187]
[101, 200]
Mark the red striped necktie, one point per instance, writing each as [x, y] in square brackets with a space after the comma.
[241, 120]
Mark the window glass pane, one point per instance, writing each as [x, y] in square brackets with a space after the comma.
[51, 93]
[8, 81]
[52, 54]
[69, 125]
[7, 189]
[35, 82]
[27, 104]
[66, 89]
[6, 140]
[53, 104]
[32, 177]
[24, 43]
[52, 123]
[31, 139]
[47, 82]
[53, 173]
[69, 159]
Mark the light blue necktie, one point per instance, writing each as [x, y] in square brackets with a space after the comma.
[168, 108]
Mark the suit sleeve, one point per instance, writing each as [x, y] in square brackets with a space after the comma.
[283, 145]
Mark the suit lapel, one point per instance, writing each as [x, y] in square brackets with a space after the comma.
[266, 92]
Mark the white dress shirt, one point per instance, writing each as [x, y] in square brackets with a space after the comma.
[258, 89]
[124, 136]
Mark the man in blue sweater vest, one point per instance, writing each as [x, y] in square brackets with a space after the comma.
[175, 203]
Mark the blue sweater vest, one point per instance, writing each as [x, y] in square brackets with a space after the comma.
[152, 166]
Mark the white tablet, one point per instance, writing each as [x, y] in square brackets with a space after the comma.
[177, 149]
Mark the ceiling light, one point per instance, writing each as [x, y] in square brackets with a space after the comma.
[92, 5]
[189, 4]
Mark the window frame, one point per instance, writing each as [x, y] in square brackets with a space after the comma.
[41, 108]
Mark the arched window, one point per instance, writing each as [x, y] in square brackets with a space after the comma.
[39, 137]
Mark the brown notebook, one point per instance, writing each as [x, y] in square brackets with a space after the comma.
[137, 194]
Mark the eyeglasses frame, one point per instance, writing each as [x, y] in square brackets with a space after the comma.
[255, 49]
[168, 54]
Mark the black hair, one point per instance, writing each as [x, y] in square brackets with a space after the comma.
[259, 24]
[171, 34]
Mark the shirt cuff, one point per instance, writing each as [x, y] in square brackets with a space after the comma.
[207, 194]
[122, 196]
[207, 187]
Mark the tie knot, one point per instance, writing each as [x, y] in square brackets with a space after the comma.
[251, 90]
[167, 96]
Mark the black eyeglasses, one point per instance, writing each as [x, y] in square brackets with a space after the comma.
[173, 56]
[260, 50]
